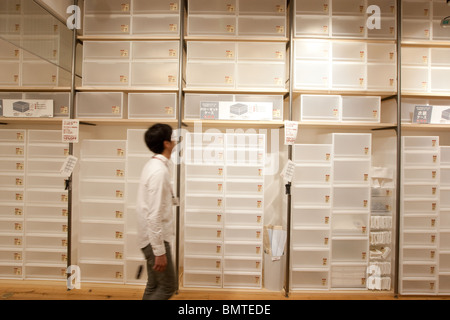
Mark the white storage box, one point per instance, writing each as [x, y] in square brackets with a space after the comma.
[439, 80]
[202, 279]
[312, 49]
[244, 202]
[352, 145]
[417, 10]
[197, 217]
[415, 222]
[255, 26]
[311, 195]
[61, 101]
[353, 250]
[261, 75]
[8, 135]
[48, 241]
[203, 201]
[99, 104]
[421, 175]
[421, 158]
[245, 172]
[103, 169]
[10, 75]
[382, 77]
[348, 7]
[440, 57]
[415, 56]
[242, 280]
[98, 251]
[311, 217]
[154, 74]
[53, 196]
[365, 109]
[312, 174]
[57, 150]
[348, 277]
[421, 143]
[445, 155]
[106, 50]
[156, 25]
[205, 187]
[202, 263]
[212, 7]
[415, 286]
[349, 76]
[44, 136]
[354, 26]
[242, 218]
[262, 7]
[349, 51]
[261, 51]
[419, 254]
[351, 198]
[102, 272]
[238, 233]
[313, 153]
[13, 165]
[41, 181]
[380, 52]
[48, 228]
[12, 150]
[349, 171]
[415, 79]
[312, 25]
[312, 74]
[39, 74]
[107, 7]
[309, 258]
[11, 241]
[152, 106]
[312, 7]
[244, 187]
[439, 33]
[211, 50]
[46, 211]
[320, 108]
[101, 231]
[12, 180]
[415, 29]
[425, 238]
[242, 264]
[106, 73]
[213, 25]
[101, 149]
[311, 237]
[387, 31]
[203, 248]
[350, 224]
[91, 189]
[304, 280]
[167, 50]
[247, 249]
[159, 6]
[420, 206]
[12, 195]
[107, 24]
[210, 75]
[204, 171]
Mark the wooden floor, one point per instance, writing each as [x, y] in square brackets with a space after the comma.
[51, 290]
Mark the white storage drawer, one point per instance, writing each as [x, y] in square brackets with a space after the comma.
[211, 50]
[202, 279]
[350, 224]
[243, 219]
[320, 108]
[247, 249]
[311, 217]
[204, 201]
[241, 156]
[348, 171]
[245, 172]
[311, 237]
[199, 155]
[349, 75]
[156, 6]
[415, 79]
[239, 280]
[316, 7]
[49, 241]
[61, 101]
[440, 57]
[383, 53]
[388, 29]
[12, 149]
[12, 135]
[257, 75]
[103, 50]
[311, 195]
[15, 227]
[91, 189]
[312, 49]
[197, 217]
[202, 263]
[349, 198]
[9, 51]
[156, 25]
[417, 10]
[307, 258]
[211, 25]
[444, 241]
[49, 258]
[11, 211]
[381, 204]
[203, 233]
[382, 77]
[312, 25]
[10, 75]
[167, 50]
[348, 277]
[445, 155]
[46, 211]
[45, 136]
[244, 202]
[244, 187]
[420, 158]
[12, 165]
[419, 254]
[415, 56]
[131, 249]
[204, 171]
[411, 191]
[37, 181]
[421, 175]
[416, 286]
[262, 7]
[444, 284]
[98, 149]
[102, 211]
[101, 231]
[312, 74]
[47, 196]
[415, 222]
[348, 7]
[349, 51]
[255, 26]
[212, 7]
[203, 248]
[421, 143]
[439, 81]
[420, 238]
[101, 251]
[302, 280]
[444, 262]
[10, 257]
[103, 74]
[210, 75]
[353, 250]
[107, 7]
[50, 228]
[213, 140]
[47, 272]
[11, 241]
[247, 141]
[102, 272]
[103, 169]
[313, 153]
[352, 145]
[260, 51]
[237, 233]
[354, 26]
[312, 174]
[367, 109]
[242, 264]
[205, 187]
[12, 195]
[48, 151]
[420, 206]
[154, 74]
[107, 24]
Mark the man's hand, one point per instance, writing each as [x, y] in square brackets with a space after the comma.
[160, 263]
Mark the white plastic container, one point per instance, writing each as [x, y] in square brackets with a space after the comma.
[99, 104]
[351, 198]
[439, 81]
[312, 174]
[242, 280]
[261, 75]
[354, 250]
[349, 51]
[98, 149]
[312, 74]
[312, 7]
[210, 75]
[364, 109]
[382, 77]
[311, 217]
[156, 25]
[320, 108]
[102, 50]
[312, 153]
[353, 27]
[421, 158]
[349, 76]
[312, 26]
[255, 26]
[311, 195]
[312, 49]
[430, 143]
[154, 74]
[158, 6]
[415, 29]
[310, 258]
[107, 24]
[310, 280]
[311, 237]
[352, 145]
[213, 25]
[349, 171]
[10, 75]
[105, 73]
[216, 50]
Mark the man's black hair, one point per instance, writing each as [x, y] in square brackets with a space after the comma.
[156, 135]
